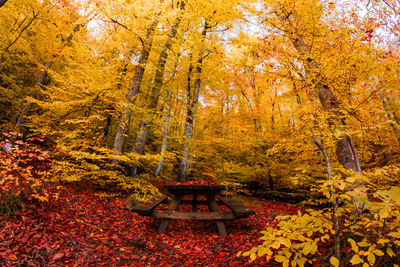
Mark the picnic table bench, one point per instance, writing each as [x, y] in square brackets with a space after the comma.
[179, 192]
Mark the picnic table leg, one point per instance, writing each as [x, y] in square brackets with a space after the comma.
[172, 206]
[194, 203]
[214, 207]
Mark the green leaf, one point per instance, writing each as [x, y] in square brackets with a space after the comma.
[334, 261]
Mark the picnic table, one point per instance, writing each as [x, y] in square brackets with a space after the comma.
[213, 200]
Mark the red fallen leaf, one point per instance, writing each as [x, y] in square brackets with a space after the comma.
[105, 242]
[13, 257]
[221, 255]
[235, 263]
[59, 255]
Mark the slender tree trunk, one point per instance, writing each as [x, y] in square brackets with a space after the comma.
[257, 128]
[183, 166]
[273, 102]
[256, 101]
[333, 196]
[145, 126]
[2, 2]
[192, 104]
[124, 122]
[166, 124]
[163, 146]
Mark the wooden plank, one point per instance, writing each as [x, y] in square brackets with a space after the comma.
[209, 215]
[194, 189]
[146, 208]
[239, 210]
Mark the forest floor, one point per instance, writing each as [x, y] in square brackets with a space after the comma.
[79, 228]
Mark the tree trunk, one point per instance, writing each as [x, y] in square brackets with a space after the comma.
[345, 149]
[257, 128]
[183, 166]
[145, 126]
[335, 205]
[192, 103]
[163, 146]
[166, 124]
[124, 122]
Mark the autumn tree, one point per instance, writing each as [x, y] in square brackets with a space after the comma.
[125, 120]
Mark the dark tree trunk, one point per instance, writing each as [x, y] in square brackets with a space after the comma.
[184, 164]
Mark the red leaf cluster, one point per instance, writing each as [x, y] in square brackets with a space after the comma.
[80, 228]
[22, 166]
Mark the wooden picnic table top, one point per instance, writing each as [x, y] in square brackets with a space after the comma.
[194, 189]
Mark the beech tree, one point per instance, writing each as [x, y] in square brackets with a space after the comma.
[125, 120]
[145, 125]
